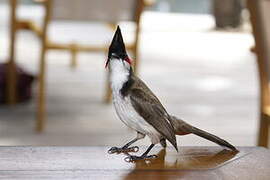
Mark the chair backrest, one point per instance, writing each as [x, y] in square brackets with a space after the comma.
[259, 13]
[110, 11]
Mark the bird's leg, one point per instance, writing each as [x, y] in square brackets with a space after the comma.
[144, 156]
[126, 147]
[163, 143]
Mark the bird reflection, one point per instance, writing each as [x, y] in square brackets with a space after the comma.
[177, 164]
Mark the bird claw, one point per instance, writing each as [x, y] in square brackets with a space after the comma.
[133, 149]
[113, 150]
[123, 150]
[135, 158]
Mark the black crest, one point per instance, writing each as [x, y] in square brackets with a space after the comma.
[117, 47]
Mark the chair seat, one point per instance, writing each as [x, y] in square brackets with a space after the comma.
[85, 33]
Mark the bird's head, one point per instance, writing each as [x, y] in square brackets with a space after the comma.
[117, 55]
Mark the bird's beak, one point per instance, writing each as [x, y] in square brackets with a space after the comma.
[107, 62]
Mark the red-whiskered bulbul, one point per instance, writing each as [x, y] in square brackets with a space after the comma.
[138, 107]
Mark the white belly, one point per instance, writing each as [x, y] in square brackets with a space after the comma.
[132, 119]
[119, 74]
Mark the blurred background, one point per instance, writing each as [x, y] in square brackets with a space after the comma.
[195, 55]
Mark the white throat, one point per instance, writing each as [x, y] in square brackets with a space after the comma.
[119, 73]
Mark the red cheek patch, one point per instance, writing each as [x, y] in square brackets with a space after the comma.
[129, 61]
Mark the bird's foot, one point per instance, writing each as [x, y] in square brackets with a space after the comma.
[131, 158]
[123, 149]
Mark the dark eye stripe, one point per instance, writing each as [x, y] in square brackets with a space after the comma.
[118, 56]
[114, 56]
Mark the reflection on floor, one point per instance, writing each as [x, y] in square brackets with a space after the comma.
[204, 76]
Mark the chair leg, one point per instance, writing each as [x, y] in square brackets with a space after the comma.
[263, 130]
[11, 73]
[108, 91]
[135, 61]
[41, 94]
[11, 83]
[135, 49]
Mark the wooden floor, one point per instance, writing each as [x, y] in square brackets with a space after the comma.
[204, 76]
[192, 163]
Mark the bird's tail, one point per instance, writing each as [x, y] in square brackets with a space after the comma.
[182, 128]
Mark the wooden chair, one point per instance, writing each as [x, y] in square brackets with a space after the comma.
[82, 10]
[259, 13]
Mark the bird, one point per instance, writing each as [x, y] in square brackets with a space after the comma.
[140, 109]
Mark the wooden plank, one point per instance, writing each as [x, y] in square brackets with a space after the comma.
[96, 163]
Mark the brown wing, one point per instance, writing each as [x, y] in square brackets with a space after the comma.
[149, 107]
